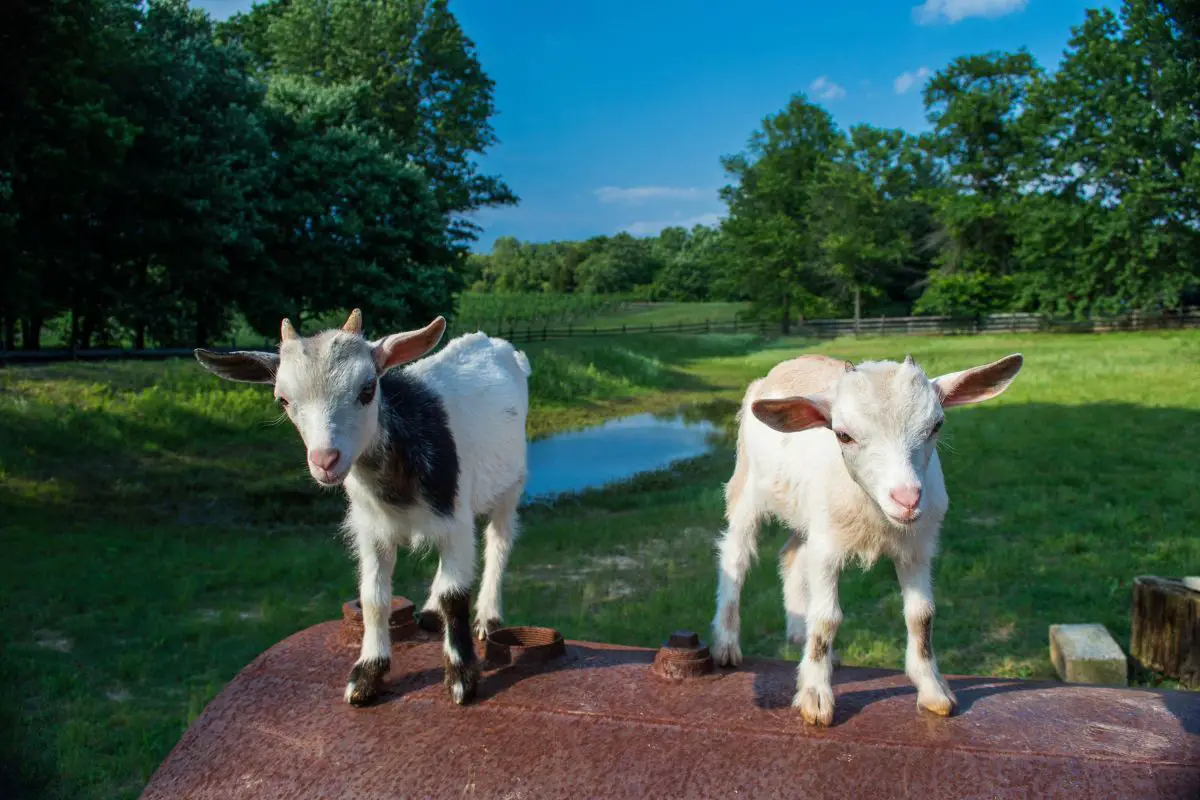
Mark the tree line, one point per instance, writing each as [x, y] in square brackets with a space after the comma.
[1068, 193]
[164, 178]
[160, 175]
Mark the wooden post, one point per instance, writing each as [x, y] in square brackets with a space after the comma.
[857, 308]
[1166, 627]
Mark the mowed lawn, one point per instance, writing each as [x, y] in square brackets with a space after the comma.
[159, 529]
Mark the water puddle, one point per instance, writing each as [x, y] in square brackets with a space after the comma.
[622, 448]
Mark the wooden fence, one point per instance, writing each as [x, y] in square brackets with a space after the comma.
[816, 328]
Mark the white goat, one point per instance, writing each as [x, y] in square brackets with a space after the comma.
[420, 451]
[846, 457]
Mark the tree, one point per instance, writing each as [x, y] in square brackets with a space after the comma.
[774, 207]
[1116, 218]
[975, 105]
[185, 214]
[696, 271]
[425, 90]
[349, 220]
[61, 147]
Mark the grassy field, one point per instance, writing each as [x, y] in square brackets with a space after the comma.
[532, 312]
[160, 530]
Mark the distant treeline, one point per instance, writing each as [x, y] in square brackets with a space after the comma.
[1069, 194]
[167, 181]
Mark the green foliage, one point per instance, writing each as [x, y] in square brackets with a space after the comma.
[964, 294]
[497, 311]
[168, 179]
[424, 89]
[195, 539]
[1117, 208]
[675, 265]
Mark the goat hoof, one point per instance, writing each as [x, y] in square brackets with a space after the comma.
[942, 702]
[815, 704]
[484, 627]
[728, 654]
[366, 679]
[462, 680]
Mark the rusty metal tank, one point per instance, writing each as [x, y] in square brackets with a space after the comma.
[567, 719]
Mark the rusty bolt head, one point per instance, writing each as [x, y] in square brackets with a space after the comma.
[682, 639]
[683, 656]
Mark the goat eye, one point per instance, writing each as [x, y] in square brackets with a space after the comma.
[937, 427]
[367, 394]
[283, 403]
[844, 437]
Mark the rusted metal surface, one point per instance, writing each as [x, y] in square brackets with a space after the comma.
[523, 645]
[597, 722]
[401, 622]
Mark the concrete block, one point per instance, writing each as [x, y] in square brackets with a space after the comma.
[1087, 654]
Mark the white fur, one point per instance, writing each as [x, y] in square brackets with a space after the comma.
[482, 384]
[836, 499]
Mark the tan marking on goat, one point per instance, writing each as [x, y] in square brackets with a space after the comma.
[801, 376]
[787, 553]
[729, 616]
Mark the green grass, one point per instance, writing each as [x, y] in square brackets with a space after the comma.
[532, 312]
[160, 531]
[666, 314]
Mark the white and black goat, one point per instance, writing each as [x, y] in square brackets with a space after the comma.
[845, 456]
[420, 452]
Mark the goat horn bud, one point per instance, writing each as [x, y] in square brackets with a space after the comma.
[286, 331]
[354, 322]
[908, 359]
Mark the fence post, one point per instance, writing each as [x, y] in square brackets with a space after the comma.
[622, 328]
[707, 326]
[570, 329]
[545, 328]
[735, 324]
[652, 327]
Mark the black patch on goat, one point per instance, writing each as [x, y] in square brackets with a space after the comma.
[419, 457]
[455, 608]
[924, 637]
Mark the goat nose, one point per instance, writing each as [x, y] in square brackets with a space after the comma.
[907, 496]
[326, 458]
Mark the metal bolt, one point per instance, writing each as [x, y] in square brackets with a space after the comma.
[683, 639]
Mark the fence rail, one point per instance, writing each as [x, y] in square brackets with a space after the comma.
[816, 328]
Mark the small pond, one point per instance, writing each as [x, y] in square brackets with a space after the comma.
[620, 449]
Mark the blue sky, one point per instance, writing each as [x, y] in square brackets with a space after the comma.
[613, 116]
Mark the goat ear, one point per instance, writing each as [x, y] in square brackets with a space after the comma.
[400, 348]
[793, 414]
[978, 383]
[241, 366]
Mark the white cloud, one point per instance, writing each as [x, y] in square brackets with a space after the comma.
[652, 228]
[908, 80]
[826, 89]
[953, 11]
[636, 195]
